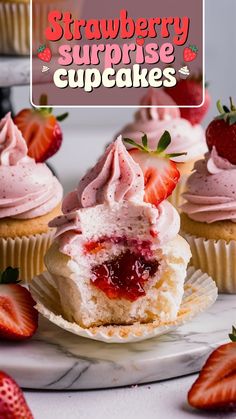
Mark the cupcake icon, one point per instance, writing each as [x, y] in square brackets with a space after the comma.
[184, 72]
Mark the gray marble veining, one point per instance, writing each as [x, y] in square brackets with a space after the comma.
[54, 359]
[14, 71]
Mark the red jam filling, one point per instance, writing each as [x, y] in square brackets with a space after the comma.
[124, 276]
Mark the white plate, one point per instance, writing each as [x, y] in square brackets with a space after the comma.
[200, 294]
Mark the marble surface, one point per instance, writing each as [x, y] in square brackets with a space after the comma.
[55, 359]
[14, 71]
[162, 400]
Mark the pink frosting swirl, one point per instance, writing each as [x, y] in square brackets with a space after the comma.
[27, 189]
[115, 177]
[154, 121]
[160, 98]
[13, 148]
[116, 181]
[211, 190]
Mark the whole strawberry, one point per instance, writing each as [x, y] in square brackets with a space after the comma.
[215, 388]
[41, 130]
[18, 317]
[140, 40]
[160, 173]
[221, 132]
[12, 401]
[190, 92]
[44, 53]
[190, 53]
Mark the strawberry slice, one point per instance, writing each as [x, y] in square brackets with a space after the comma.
[160, 173]
[18, 317]
[12, 401]
[41, 131]
[215, 387]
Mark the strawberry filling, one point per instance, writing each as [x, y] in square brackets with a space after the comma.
[124, 276]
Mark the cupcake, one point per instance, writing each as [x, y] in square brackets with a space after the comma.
[116, 259]
[184, 72]
[15, 27]
[209, 214]
[185, 137]
[15, 24]
[30, 197]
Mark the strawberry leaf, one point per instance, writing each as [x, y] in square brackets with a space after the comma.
[232, 335]
[61, 118]
[232, 105]
[164, 142]
[43, 101]
[144, 141]
[9, 276]
[226, 109]
[220, 116]
[175, 155]
[232, 119]
[41, 48]
[220, 107]
[133, 143]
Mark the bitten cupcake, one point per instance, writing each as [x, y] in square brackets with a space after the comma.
[185, 137]
[116, 259]
[30, 197]
[209, 215]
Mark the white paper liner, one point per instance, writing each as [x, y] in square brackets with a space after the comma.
[176, 198]
[25, 253]
[217, 258]
[41, 10]
[200, 294]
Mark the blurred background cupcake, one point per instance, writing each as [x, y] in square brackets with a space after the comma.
[15, 23]
[15, 27]
[209, 215]
[30, 196]
[185, 137]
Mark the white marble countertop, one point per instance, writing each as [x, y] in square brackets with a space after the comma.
[165, 399]
[14, 71]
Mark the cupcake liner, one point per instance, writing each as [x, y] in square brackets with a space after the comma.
[200, 293]
[176, 198]
[14, 28]
[25, 253]
[183, 76]
[41, 10]
[217, 259]
[15, 25]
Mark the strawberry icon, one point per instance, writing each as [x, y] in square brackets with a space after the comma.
[190, 53]
[140, 40]
[44, 53]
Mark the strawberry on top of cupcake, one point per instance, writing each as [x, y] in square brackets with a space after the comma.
[41, 130]
[154, 121]
[29, 197]
[190, 92]
[161, 174]
[208, 220]
[27, 189]
[211, 194]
